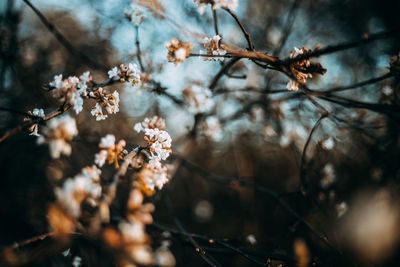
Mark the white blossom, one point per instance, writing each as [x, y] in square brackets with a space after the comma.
[213, 48]
[35, 127]
[212, 128]
[329, 176]
[180, 54]
[130, 73]
[58, 133]
[113, 72]
[198, 99]
[159, 142]
[97, 111]
[77, 261]
[75, 190]
[112, 103]
[77, 102]
[100, 158]
[328, 143]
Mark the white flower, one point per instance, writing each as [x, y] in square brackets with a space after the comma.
[113, 72]
[58, 82]
[251, 239]
[77, 102]
[180, 54]
[83, 80]
[112, 102]
[341, 209]
[154, 174]
[198, 99]
[164, 257]
[213, 48]
[151, 123]
[35, 127]
[138, 127]
[59, 132]
[212, 128]
[133, 74]
[108, 141]
[133, 231]
[75, 190]
[159, 142]
[97, 111]
[38, 112]
[328, 143]
[77, 261]
[292, 85]
[329, 176]
[178, 51]
[100, 158]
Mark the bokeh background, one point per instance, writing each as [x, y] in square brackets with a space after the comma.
[352, 168]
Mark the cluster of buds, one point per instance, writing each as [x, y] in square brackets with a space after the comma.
[153, 174]
[58, 133]
[39, 113]
[107, 100]
[109, 151]
[178, 51]
[302, 69]
[213, 48]
[158, 141]
[129, 73]
[198, 98]
[151, 123]
[83, 187]
[71, 90]
[231, 4]
[133, 237]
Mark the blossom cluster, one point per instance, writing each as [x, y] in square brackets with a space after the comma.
[35, 127]
[296, 68]
[109, 151]
[302, 69]
[153, 174]
[76, 190]
[158, 140]
[58, 133]
[231, 4]
[129, 73]
[178, 51]
[198, 99]
[213, 48]
[107, 100]
[71, 90]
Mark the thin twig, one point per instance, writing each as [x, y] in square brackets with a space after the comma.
[61, 39]
[206, 257]
[245, 33]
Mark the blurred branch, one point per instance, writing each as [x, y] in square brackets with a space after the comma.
[245, 33]
[245, 252]
[360, 84]
[206, 257]
[139, 54]
[61, 39]
[304, 183]
[235, 180]
[343, 46]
